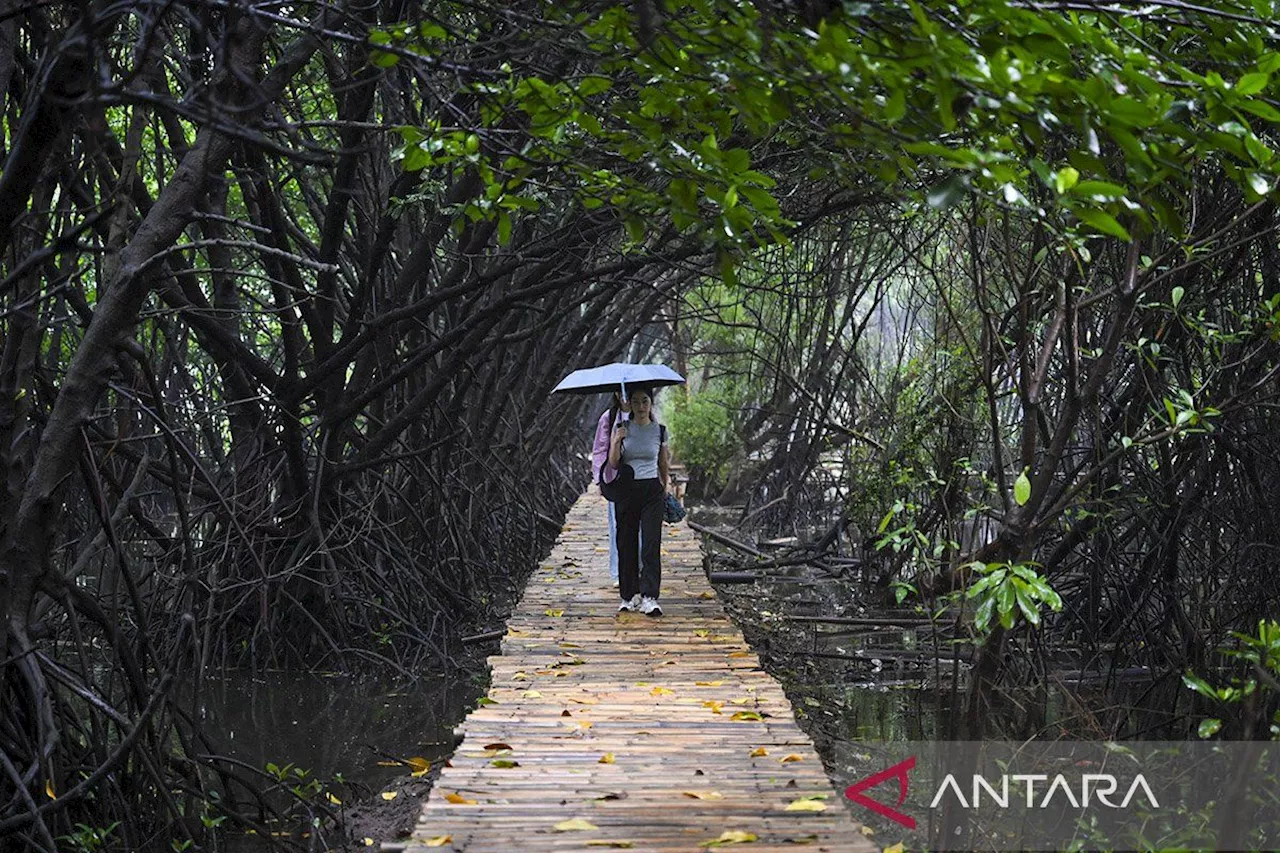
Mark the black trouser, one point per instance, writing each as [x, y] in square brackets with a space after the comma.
[640, 509]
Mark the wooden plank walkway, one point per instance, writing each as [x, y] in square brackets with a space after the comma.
[649, 734]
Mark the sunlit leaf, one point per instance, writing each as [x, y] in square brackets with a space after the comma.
[576, 824]
[733, 836]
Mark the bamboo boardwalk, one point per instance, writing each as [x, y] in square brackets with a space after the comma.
[604, 730]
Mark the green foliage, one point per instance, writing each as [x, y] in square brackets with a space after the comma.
[1091, 122]
[88, 839]
[702, 434]
[1261, 655]
[1005, 591]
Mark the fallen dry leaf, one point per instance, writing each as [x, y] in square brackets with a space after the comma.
[759, 751]
[497, 745]
[792, 757]
[532, 694]
[458, 799]
[439, 841]
[739, 654]
[607, 758]
[897, 848]
[504, 763]
[708, 683]
[554, 613]
[421, 767]
[713, 705]
[328, 795]
[806, 805]
[747, 715]
[733, 836]
[661, 691]
[390, 795]
[704, 795]
[576, 824]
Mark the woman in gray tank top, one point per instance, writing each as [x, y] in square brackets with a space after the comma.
[641, 443]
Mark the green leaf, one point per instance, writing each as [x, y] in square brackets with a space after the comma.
[1065, 178]
[1208, 727]
[593, 86]
[1005, 600]
[1100, 220]
[982, 618]
[1176, 296]
[1105, 189]
[1252, 84]
[1022, 488]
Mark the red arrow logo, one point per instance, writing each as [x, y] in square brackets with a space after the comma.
[898, 771]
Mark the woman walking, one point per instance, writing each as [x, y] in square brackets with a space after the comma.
[641, 444]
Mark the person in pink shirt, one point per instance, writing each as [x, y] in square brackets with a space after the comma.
[614, 415]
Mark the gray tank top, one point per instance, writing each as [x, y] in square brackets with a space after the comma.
[640, 449]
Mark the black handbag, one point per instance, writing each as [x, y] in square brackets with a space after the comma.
[613, 490]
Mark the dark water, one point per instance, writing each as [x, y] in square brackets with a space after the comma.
[336, 725]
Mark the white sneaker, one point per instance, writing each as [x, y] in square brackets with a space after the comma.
[650, 607]
[630, 605]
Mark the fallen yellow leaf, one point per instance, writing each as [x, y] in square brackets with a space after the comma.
[504, 763]
[708, 683]
[420, 765]
[439, 841]
[554, 613]
[48, 789]
[706, 595]
[701, 632]
[576, 824]
[497, 746]
[759, 751]
[805, 805]
[866, 830]
[739, 654]
[531, 694]
[713, 705]
[661, 691]
[390, 795]
[331, 798]
[747, 715]
[607, 758]
[732, 836]
[369, 842]
[704, 795]
[897, 848]
[459, 800]
[792, 757]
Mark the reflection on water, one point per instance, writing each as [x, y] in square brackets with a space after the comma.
[334, 724]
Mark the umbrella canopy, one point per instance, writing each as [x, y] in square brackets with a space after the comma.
[611, 377]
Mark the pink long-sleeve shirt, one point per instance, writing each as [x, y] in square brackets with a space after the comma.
[600, 452]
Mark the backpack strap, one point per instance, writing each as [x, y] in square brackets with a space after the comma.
[662, 434]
